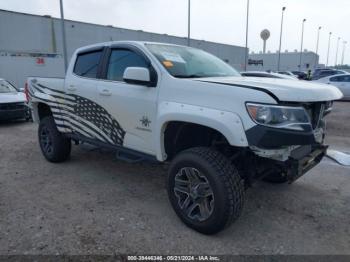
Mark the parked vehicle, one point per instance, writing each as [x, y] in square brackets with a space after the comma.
[288, 73]
[320, 73]
[341, 81]
[300, 75]
[12, 102]
[219, 131]
[266, 74]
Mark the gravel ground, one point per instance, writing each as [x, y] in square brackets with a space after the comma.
[94, 204]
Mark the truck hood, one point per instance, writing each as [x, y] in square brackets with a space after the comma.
[282, 89]
[12, 97]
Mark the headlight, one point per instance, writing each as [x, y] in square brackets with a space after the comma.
[294, 118]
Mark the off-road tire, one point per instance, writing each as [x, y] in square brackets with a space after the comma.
[60, 145]
[225, 181]
[276, 178]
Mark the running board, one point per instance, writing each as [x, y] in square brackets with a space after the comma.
[122, 153]
[129, 157]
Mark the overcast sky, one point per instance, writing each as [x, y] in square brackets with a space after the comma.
[213, 20]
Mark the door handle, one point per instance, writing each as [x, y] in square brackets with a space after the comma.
[105, 92]
[71, 88]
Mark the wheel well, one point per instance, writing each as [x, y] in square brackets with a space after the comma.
[44, 110]
[179, 136]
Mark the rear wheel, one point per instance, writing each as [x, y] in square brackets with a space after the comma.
[205, 190]
[54, 145]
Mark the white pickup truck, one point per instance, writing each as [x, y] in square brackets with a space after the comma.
[177, 104]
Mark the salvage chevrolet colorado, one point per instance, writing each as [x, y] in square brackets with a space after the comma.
[219, 131]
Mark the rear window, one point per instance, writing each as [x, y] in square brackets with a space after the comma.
[86, 64]
[328, 73]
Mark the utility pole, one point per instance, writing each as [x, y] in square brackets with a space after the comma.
[246, 39]
[63, 37]
[329, 45]
[279, 50]
[301, 46]
[189, 24]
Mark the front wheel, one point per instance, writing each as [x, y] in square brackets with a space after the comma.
[205, 190]
[54, 145]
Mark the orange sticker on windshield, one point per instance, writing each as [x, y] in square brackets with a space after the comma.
[167, 63]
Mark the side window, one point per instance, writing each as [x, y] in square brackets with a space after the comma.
[326, 73]
[120, 59]
[334, 79]
[86, 64]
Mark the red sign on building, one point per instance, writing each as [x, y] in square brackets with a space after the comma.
[40, 61]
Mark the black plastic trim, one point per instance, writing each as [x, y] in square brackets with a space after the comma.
[269, 138]
[137, 82]
[246, 86]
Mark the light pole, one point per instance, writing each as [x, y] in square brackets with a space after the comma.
[317, 42]
[279, 50]
[318, 38]
[301, 46]
[329, 45]
[63, 37]
[336, 53]
[246, 38]
[342, 56]
[189, 24]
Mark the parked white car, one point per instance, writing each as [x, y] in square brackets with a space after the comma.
[178, 104]
[287, 73]
[12, 102]
[267, 75]
[342, 81]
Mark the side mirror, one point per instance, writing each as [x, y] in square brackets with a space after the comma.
[137, 75]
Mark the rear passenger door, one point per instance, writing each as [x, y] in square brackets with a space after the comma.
[79, 111]
[132, 106]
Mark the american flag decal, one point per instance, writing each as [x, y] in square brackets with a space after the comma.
[76, 114]
[97, 115]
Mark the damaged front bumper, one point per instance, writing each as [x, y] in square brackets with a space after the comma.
[303, 159]
[291, 161]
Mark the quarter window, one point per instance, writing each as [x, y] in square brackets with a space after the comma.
[87, 64]
[120, 59]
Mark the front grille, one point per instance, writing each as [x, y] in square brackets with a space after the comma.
[12, 106]
[316, 113]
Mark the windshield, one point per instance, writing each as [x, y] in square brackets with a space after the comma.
[187, 62]
[6, 87]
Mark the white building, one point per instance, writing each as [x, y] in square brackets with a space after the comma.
[289, 61]
[31, 45]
